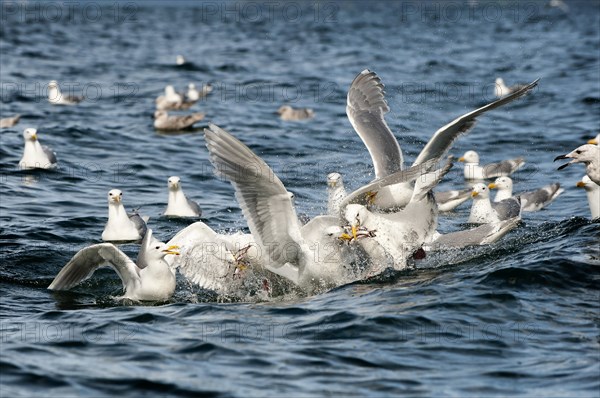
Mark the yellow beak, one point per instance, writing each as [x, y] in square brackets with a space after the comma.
[34, 137]
[345, 237]
[117, 199]
[593, 141]
[172, 250]
[580, 184]
[331, 184]
[354, 229]
[461, 159]
[492, 186]
[473, 194]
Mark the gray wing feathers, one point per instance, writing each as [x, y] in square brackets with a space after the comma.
[535, 200]
[195, 206]
[504, 168]
[88, 260]
[408, 175]
[50, 153]
[366, 107]
[508, 208]
[264, 200]
[139, 222]
[483, 235]
[442, 140]
[447, 196]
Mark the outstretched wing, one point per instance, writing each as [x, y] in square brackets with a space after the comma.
[483, 235]
[87, 260]
[139, 223]
[366, 108]
[265, 202]
[442, 140]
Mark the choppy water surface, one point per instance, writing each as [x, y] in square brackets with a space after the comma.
[519, 318]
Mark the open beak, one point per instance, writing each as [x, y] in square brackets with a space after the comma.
[473, 194]
[331, 184]
[563, 157]
[580, 184]
[172, 250]
[461, 159]
[492, 186]
[593, 141]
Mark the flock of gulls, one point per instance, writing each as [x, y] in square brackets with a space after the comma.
[387, 224]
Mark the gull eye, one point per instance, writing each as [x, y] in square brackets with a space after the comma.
[578, 152]
[157, 247]
[110, 194]
[121, 194]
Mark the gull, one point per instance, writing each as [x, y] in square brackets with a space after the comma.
[178, 204]
[335, 192]
[592, 191]
[289, 250]
[286, 112]
[150, 280]
[450, 200]
[473, 171]
[163, 121]
[9, 121]
[484, 234]
[366, 108]
[595, 140]
[57, 98]
[120, 225]
[36, 156]
[500, 88]
[172, 100]
[587, 154]
[402, 233]
[530, 201]
[180, 60]
[194, 95]
[484, 212]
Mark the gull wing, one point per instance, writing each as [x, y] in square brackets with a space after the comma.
[265, 202]
[443, 139]
[87, 260]
[366, 108]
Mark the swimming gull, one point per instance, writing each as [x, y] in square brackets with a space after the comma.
[450, 200]
[592, 191]
[501, 89]
[165, 122]
[473, 171]
[483, 211]
[485, 234]
[153, 281]
[9, 121]
[366, 109]
[289, 250]
[172, 100]
[180, 60]
[36, 156]
[531, 200]
[56, 97]
[286, 112]
[587, 154]
[335, 193]
[178, 204]
[120, 225]
[194, 95]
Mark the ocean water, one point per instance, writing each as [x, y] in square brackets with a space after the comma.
[518, 318]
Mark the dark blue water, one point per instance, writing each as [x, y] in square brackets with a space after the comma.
[519, 318]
